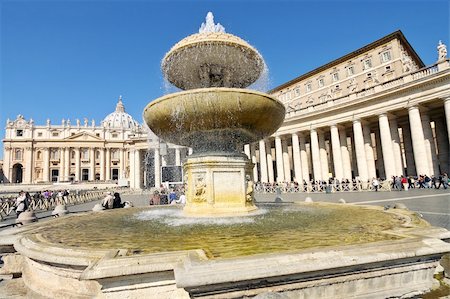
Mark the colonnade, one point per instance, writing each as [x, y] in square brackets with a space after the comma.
[414, 142]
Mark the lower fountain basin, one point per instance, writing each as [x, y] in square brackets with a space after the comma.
[214, 118]
[301, 250]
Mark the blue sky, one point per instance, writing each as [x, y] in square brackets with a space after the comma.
[72, 59]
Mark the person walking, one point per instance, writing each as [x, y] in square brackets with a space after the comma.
[20, 203]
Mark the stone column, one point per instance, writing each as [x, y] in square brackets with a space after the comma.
[371, 172]
[286, 162]
[417, 137]
[298, 176]
[346, 165]
[337, 156]
[430, 147]
[254, 161]
[315, 155]
[263, 161]
[360, 151]
[279, 159]
[92, 164]
[304, 157]
[443, 145]
[386, 146]
[138, 174]
[270, 171]
[177, 157]
[6, 165]
[324, 168]
[447, 114]
[108, 164]
[102, 164]
[28, 175]
[247, 150]
[379, 162]
[157, 164]
[62, 164]
[133, 166]
[67, 164]
[121, 163]
[46, 170]
[409, 155]
[399, 168]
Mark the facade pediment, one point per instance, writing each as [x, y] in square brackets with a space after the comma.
[83, 136]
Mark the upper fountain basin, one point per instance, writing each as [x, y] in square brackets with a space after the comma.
[214, 118]
[212, 59]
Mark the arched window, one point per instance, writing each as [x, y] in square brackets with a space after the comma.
[84, 153]
[39, 155]
[97, 155]
[72, 155]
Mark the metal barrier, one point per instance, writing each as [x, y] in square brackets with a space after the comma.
[7, 204]
[323, 187]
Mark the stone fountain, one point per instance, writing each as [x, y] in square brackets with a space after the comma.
[300, 250]
[215, 116]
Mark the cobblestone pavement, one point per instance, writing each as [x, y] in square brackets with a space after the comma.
[433, 204]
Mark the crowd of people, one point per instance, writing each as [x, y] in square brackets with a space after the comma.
[422, 182]
[164, 196]
[24, 199]
[112, 201]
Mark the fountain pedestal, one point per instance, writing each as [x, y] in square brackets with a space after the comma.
[218, 185]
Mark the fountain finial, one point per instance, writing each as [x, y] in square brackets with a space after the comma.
[209, 25]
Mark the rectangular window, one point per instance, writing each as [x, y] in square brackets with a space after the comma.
[321, 82]
[55, 134]
[388, 68]
[19, 133]
[297, 91]
[308, 87]
[114, 135]
[335, 77]
[40, 134]
[385, 56]
[350, 71]
[367, 64]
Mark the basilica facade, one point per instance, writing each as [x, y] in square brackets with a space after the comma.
[375, 112]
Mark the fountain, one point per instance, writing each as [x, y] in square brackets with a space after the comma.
[215, 116]
[209, 250]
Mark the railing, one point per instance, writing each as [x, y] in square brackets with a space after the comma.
[318, 188]
[7, 204]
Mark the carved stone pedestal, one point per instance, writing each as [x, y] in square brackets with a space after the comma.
[218, 186]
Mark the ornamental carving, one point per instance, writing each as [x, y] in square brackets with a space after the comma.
[200, 189]
[249, 190]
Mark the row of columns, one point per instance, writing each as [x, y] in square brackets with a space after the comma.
[416, 146]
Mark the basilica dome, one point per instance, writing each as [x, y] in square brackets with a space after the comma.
[119, 119]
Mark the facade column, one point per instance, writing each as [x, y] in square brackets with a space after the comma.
[286, 162]
[315, 156]
[279, 159]
[66, 164]
[447, 115]
[325, 170]
[6, 165]
[62, 164]
[346, 165]
[270, 171]
[298, 176]
[77, 164]
[443, 145]
[360, 151]
[247, 150]
[409, 155]
[138, 173]
[133, 166]
[386, 146]
[417, 137]
[177, 157]
[121, 163]
[46, 170]
[92, 164]
[379, 163]
[399, 168]
[157, 164]
[430, 147]
[108, 164]
[263, 161]
[102, 164]
[28, 155]
[254, 161]
[336, 149]
[303, 157]
[371, 172]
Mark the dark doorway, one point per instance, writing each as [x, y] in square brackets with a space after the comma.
[17, 173]
[115, 173]
[55, 175]
[85, 174]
